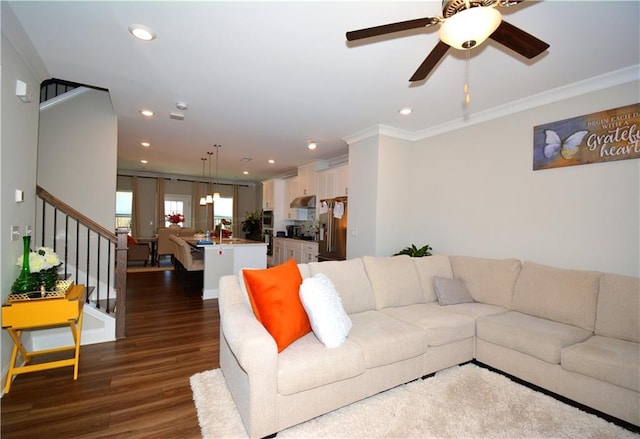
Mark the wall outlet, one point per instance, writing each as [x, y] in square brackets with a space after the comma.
[15, 233]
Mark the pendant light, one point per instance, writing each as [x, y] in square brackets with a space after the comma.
[203, 199]
[216, 194]
[209, 198]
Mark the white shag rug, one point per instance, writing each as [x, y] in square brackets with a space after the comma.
[461, 402]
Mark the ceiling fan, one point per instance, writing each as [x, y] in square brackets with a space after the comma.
[464, 24]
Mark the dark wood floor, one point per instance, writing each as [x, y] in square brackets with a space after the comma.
[137, 387]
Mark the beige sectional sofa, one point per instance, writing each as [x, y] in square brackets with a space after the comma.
[575, 333]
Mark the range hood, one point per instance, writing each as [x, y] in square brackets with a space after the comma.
[306, 202]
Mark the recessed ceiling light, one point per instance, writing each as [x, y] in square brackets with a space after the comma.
[272, 161]
[145, 144]
[144, 162]
[147, 113]
[142, 32]
[312, 145]
[406, 111]
[245, 172]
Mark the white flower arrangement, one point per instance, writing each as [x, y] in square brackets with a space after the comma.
[43, 258]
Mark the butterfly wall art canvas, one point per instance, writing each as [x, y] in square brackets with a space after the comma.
[598, 137]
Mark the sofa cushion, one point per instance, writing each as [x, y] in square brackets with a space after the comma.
[540, 338]
[427, 268]
[440, 326]
[488, 280]
[274, 296]
[385, 340]
[608, 359]
[351, 282]
[329, 321]
[475, 309]
[394, 280]
[561, 295]
[618, 312]
[307, 364]
[451, 291]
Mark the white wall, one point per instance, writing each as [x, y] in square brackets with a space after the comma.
[395, 197]
[78, 144]
[18, 148]
[363, 188]
[478, 194]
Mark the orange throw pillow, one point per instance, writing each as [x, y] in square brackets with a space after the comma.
[275, 299]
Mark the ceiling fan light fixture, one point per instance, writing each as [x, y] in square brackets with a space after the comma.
[470, 28]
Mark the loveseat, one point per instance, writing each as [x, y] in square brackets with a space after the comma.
[575, 333]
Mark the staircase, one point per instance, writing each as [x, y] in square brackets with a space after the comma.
[92, 256]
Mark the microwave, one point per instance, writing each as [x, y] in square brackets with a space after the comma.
[267, 219]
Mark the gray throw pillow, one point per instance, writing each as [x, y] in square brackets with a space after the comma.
[451, 291]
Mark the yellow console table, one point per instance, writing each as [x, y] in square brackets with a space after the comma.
[43, 313]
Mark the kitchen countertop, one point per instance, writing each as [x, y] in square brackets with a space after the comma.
[295, 238]
[225, 241]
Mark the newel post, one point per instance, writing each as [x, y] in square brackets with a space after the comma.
[121, 281]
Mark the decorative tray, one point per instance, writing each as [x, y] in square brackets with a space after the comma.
[59, 292]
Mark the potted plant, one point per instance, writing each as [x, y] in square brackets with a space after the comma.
[415, 252]
[252, 225]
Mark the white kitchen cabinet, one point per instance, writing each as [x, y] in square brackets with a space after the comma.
[333, 182]
[278, 251]
[300, 251]
[307, 177]
[268, 194]
[291, 191]
[273, 199]
[326, 184]
[309, 252]
[293, 250]
[342, 181]
[291, 213]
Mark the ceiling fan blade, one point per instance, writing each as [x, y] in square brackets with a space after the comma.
[518, 40]
[430, 61]
[392, 27]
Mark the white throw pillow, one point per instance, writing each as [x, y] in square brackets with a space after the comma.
[321, 301]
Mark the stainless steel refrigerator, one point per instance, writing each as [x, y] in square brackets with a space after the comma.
[333, 229]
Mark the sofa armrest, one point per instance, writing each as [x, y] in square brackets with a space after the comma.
[249, 360]
[251, 344]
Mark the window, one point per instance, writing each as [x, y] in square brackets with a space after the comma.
[124, 201]
[223, 210]
[177, 204]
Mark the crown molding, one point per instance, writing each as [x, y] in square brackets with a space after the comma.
[596, 83]
[17, 37]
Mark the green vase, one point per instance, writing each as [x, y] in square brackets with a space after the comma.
[24, 283]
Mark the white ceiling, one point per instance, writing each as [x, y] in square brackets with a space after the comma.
[263, 78]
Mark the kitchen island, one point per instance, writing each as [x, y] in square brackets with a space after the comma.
[228, 257]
